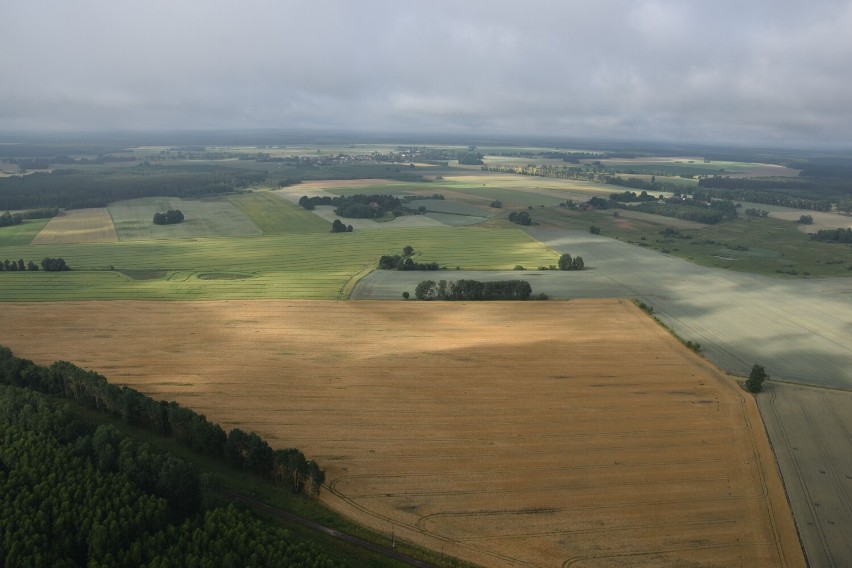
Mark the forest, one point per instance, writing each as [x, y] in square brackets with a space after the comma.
[76, 494]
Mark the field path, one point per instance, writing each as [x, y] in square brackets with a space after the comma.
[506, 433]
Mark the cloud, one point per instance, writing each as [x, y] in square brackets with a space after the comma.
[664, 69]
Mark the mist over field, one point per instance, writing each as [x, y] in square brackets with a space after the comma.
[759, 73]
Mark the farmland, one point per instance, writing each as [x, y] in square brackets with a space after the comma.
[490, 431]
[754, 289]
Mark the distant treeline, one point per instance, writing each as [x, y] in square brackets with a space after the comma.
[797, 194]
[833, 235]
[473, 290]
[47, 264]
[356, 206]
[8, 219]
[76, 494]
[237, 448]
[79, 188]
[707, 215]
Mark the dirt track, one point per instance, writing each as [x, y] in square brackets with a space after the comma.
[541, 433]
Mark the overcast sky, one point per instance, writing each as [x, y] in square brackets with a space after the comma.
[767, 71]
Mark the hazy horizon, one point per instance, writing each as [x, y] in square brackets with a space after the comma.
[771, 74]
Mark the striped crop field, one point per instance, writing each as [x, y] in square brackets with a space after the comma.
[320, 265]
[275, 215]
[213, 217]
[79, 226]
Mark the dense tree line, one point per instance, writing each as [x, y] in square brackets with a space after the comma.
[833, 235]
[79, 188]
[170, 217]
[47, 264]
[796, 194]
[246, 451]
[631, 197]
[72, 494]
[708, 215]
[473, 290]
[593, 174]
[404, 261]
[355, 206]
[8, 219]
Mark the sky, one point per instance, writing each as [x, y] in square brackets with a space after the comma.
[747, 71]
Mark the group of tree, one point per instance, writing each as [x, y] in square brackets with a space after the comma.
[568, 263]
[246, 451]
[520, 218]
[798, 194]
[756, 377]
[79, 188]
[702, 214]
[631, 197]
[8, 219]
[47, 264]
[356, 206]
[73, 493]
[405, 262]
[806, 220]
[752, 212]
[339, 227]
[473, 290]
[170, 217]
[838, 235]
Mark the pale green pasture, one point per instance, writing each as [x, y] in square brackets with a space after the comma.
[22, 234]
[274, 215]
[285, 266]
[133, 219]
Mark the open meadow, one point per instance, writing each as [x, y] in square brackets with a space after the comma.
[489, 431]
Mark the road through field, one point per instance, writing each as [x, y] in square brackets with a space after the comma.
[798, 329]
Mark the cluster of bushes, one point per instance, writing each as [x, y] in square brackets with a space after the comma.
[404, 261]
[170, 217]
[356, 206]
[520, 218]
[833, 235]
[338, 227]
[568, 263]
[473, 290]
[245, 451]
[47, 264]
[72, 494]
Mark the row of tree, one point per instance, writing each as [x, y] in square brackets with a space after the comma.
[356, 206]
[245, 451]
[339, 227]
[473, 290]
[47, 264]
[404, 261]
[839, 235]
[520, 218]
[568, 263]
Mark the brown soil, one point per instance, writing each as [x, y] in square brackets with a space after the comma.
[530, 433]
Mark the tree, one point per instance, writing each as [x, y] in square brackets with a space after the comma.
[756, 378]
[338, 227]
[406, 295]
[407, 250]
[565, 262]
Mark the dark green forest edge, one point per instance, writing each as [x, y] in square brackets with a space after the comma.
[77, 492]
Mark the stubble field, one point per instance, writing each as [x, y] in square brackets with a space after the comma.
[535, 434]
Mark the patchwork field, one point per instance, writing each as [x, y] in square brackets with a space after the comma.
[79, 226]
[491, 431]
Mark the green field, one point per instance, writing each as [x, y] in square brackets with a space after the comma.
[22, 234]
[757, 245]
[315, 266]
[275, 215]
[211, 217]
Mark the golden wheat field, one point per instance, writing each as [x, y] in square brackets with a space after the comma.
[509, 434]
[79, 226]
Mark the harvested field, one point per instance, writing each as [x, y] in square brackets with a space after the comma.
[529, 433]
[78, 226]
[811, 430]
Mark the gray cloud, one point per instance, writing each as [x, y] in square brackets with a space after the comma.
[762, 71]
